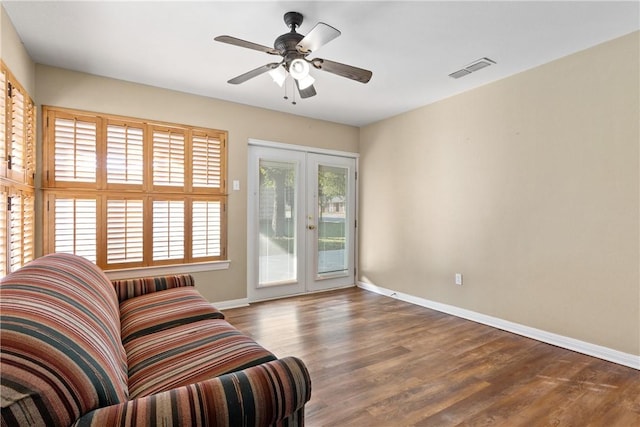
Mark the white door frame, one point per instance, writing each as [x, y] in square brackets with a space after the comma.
[252, 266]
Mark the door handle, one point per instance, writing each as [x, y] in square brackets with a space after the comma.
[311, 227]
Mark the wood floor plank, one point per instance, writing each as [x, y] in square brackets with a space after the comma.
[377, 361]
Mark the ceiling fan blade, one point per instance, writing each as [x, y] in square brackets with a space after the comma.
[253, 73]
[306, 92]
[249, 45]
[354, 73]
[320, 35]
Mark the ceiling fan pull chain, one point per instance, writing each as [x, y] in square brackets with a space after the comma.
[293, 83]
[285, 88]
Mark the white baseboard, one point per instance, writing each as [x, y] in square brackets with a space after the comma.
[234, 303]
[605, 353]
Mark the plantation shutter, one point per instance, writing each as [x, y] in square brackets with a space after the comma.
[127, 193]
[17, 170]
[75, 226]
[15, 232]
[28, 230]
[125, 229]
[168, 230]
[4, 223]
[17, 151]
[207, 161]
[75, 150]
[30, 143]
[124, 154]
[168, 157]
[3, 122]
[208, 174]
[207, 229]
[21, 234]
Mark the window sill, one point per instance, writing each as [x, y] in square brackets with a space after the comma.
[129, 273]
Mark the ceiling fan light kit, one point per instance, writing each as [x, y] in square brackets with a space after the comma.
[278, 75]
[306, 82]
[299, 69]
[294, 48]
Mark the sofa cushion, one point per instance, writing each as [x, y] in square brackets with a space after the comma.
[130, 288]
[164, 309]
[61, 352]
[267, 395]
[187, 354]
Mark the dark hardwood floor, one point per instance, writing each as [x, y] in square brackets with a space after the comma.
[378, 361]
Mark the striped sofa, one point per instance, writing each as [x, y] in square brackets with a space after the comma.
[78, 349]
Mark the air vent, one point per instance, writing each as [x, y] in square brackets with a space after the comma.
[459, 73]
[474, 66]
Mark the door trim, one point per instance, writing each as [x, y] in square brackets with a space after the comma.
[304, 148]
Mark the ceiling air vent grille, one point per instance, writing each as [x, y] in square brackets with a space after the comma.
[474, 66]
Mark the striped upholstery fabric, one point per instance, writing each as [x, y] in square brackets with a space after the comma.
[187, 354]
[161, 310]
[271, 394]
[61, 354]
[129, 288]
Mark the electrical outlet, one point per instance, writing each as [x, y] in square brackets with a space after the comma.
[458, 278]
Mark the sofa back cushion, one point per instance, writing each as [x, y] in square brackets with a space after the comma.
[131, 288]
[61, 352]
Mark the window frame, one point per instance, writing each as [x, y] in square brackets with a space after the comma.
[102, 190]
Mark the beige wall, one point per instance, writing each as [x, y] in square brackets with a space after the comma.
[528, 186]
[58, 87]
[14, 55]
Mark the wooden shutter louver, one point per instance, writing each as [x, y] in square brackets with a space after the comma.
[28, 230]
[17, 148]
[4, 223]
[207, 229]
[125, 224]
[3, 123]
[124, 154]
[207, 161]
[168, 158]
[15, 232]
[75, 150]
[75, 227]
[30, 143]
[21, 228]
[168, 230]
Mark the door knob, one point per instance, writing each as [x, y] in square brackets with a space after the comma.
[311, 227]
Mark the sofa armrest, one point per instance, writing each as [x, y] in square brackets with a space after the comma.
[129, 288]
[270, 394]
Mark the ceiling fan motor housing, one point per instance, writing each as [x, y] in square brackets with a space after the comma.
[286, 45]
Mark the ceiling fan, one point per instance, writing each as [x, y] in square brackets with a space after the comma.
[294, 48]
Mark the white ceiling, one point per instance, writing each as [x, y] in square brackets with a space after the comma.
[411, 47]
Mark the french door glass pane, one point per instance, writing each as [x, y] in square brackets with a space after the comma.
[277, 207]
[332, 213]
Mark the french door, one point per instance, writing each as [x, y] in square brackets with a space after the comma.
[301, 230]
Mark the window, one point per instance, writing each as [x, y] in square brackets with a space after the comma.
[126, 192]
[17, 172]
